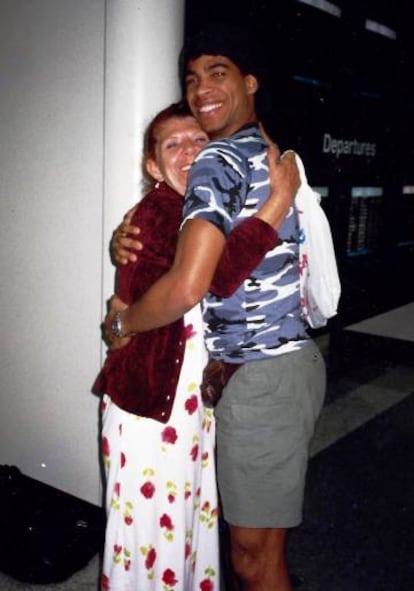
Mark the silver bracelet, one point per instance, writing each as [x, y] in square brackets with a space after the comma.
[116, 326]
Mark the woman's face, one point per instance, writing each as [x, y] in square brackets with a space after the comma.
[179, 140]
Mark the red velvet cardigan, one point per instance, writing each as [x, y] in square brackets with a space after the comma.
[142, 377]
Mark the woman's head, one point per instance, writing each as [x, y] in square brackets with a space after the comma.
[172, 141]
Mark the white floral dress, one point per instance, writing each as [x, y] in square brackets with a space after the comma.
[161, 497]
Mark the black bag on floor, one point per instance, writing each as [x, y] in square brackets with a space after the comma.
[46, 535]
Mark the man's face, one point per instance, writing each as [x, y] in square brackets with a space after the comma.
[219, 95]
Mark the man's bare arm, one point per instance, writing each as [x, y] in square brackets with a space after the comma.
[284, 183]
[284, 180]
[199, 248]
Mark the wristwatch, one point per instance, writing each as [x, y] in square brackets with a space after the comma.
[116, 327]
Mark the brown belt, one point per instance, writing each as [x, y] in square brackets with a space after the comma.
[216, 374]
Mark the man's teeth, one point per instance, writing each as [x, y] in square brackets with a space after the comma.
[208, 108]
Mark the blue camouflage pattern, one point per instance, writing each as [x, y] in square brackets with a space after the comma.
[228, 182]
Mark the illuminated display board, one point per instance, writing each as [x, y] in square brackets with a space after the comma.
[364, 221]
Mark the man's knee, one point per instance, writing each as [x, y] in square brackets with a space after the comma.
[245, 551]
[254, 551]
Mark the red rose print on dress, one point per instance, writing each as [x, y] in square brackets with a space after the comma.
[194, 452]
[208, 514]
[207, 585]
[168, 577]
[166, 522]
[150, 555]
[150, 558]
[208, 419]
[187, 490]
[117, 553]
[128, 519]
[191, 404]
[147, 489]
[123, 459]
[171, 491]
[189, 331]
[169, 435]
[106, 450]
[187, 550]
[105, 583]
[115, 504]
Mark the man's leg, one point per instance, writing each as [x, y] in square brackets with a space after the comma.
[265, 419]
[259, 558]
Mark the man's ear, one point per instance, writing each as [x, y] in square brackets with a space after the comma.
[153, 170]
[252, 84]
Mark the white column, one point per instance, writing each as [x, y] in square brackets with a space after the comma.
[143, 40]
[68, 71]
[51, 154]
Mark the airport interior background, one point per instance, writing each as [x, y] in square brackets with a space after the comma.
[339, 92]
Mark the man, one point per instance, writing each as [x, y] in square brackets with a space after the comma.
[267, 413]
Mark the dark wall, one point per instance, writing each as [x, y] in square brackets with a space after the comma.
[341, 96]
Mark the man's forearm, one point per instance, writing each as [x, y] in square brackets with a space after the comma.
[199, 248]
[162, 304]
[284, 183]
[275, 209]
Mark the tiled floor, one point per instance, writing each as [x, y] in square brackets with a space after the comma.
[357, 533]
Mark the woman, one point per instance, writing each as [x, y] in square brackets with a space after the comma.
[157, 437]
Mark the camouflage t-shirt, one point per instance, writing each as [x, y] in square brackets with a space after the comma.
[227, 183]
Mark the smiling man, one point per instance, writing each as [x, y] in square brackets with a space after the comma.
[268, 409]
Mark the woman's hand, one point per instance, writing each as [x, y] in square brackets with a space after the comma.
[124, 241]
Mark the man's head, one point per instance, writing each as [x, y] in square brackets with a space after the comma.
[220, 73]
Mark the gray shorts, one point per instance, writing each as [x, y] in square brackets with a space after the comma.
[265, 420]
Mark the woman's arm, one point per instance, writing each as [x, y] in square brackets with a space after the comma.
[249, 242]
[284, 179]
